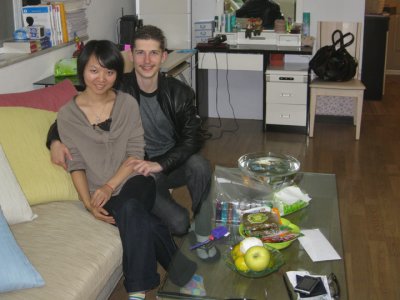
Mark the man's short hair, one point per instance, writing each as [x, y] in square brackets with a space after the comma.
[149, 32]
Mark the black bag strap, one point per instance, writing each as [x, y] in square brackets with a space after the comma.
[350, 41]
[341, 39]
[338, 40]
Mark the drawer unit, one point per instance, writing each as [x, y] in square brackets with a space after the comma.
[202, 31]
[293, 93]
[286, 95]
[203, 25]
[284, 114]
[231, 61]
[200, 40]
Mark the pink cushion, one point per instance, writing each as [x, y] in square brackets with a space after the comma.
[48, 98]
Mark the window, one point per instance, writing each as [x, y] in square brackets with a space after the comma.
[10, 18]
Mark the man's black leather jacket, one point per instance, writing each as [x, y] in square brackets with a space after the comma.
[177, 101]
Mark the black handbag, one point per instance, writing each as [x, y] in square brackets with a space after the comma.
[333, 62]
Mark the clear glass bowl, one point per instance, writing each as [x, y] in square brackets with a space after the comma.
[275, 263]
[273, 169]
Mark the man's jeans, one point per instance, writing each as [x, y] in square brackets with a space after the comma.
[145, 238]
[195, 173]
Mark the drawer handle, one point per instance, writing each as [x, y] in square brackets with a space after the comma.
[285, 116]
[286, 95]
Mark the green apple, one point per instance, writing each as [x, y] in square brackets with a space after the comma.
[257, 258]
[249, 242]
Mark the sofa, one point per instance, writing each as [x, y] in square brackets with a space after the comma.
[51, 247]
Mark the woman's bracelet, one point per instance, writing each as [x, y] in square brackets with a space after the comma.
[112, 189]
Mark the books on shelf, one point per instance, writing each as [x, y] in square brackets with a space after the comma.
[60, 22]
[77, 23]
[69, 5]
[41, 15]
[62, 19]
[72, 14]
[26, 46]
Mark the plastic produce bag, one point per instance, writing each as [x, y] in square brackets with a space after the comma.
[237, 192]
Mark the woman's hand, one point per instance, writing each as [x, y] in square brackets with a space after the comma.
[59, 154]
[101, 196]
[101, 214]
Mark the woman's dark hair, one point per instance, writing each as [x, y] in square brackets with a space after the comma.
[149, 32]
[108, 55]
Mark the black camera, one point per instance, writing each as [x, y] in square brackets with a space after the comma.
[218, 39]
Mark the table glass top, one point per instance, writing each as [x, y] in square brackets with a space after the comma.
[222, 283]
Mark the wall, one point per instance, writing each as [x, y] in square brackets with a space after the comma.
[338, 10]
[102, 16]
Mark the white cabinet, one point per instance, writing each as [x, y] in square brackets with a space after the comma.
[202, 31]
[230, 61]
[286, 95]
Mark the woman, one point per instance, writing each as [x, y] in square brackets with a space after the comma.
[102, 129]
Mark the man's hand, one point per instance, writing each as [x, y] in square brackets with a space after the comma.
[144, 167]
[101, 196]
[101, 214]
[59, 153]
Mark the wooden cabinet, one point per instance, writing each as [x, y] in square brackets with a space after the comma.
[393, 50]
[374, 55]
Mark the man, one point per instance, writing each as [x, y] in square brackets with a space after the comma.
[173, 136]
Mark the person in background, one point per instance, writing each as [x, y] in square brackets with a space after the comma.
[173, 136]
[267, 10]
[102, 130]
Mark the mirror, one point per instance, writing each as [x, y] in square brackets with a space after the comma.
[287, 7]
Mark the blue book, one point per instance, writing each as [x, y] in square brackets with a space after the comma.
[40, 15]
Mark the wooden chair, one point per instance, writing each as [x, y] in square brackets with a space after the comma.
[353, 88]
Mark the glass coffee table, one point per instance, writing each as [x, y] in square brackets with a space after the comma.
[220, 282]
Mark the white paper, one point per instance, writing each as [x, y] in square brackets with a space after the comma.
[317, 246]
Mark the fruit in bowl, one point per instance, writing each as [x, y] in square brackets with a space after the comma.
[257, 261]
[249, 242]
[235, 252]
[241, 265]
[257, 258]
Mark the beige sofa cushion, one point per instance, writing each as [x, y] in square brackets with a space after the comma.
[75, 253]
